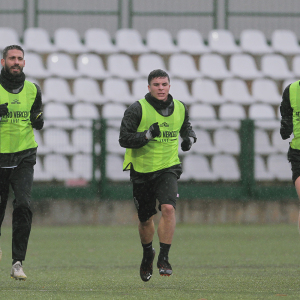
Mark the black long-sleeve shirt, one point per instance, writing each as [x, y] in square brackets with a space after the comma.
[286, 111]
[130, 138]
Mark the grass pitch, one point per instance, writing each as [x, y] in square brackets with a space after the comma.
[216, 262]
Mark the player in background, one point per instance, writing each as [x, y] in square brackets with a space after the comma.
[150, 132]
[20, 112]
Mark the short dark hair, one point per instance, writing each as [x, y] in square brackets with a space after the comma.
[157, 73]
[11, 47]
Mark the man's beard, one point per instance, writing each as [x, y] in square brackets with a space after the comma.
[11, 71]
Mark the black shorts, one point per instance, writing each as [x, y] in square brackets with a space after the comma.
[294, 159]
[164, 188]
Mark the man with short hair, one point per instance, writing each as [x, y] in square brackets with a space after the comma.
[150, 132]
[20, 112]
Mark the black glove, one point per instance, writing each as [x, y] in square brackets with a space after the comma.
[37, 120]
[186, 144]
[153, 131]
[3, 109]
[286, 128]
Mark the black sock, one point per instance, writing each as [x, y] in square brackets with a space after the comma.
[164, 251]
[15, 260]
[147, 249]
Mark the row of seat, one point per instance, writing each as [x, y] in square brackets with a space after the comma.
[157, 40]
[180, 65]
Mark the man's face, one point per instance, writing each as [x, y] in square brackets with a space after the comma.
[14, 62]
[159, 88]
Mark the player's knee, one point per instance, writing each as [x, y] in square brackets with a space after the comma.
[167, 210]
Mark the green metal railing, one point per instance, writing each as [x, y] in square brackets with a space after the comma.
[213, 13]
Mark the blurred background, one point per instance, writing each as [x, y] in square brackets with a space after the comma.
[228, 60]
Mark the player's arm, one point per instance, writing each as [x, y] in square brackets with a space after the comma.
[286, 111]
[36, 114]
[129, 137]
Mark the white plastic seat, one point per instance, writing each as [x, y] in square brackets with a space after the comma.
[275, 67]
[8, 36]
[82, 166]
[197, 167]
[39, 173]
[99, 40]
[213, 66]
[262, 143]
[87, 90]
[278, 143]
[58, 141]
[183, 66]
[34, 66]
[231, 113]
[57, 89]
[117, 90]
[265, 90]
[149, 62]
[85, 111]
[160, 41]
[204, 144]
[121, 65]
[113, 113]
[227, 141]
[191, 41]
[285, 42]
[91, 65]
[243, 66]
[225, 167]
[264, 115]
[114, 168]
[139, 88]
[112, 141]
[296, 66]
[61, 65]
[129, 40]
[261, 172]
[82, 140]
[37, 39]
[253, 41]
[68, 40]
[222, 41]
[58, 167]
[55, 110]
[179, 90]
[42, 148]
[279, 166]
[204, 115]
[236, 90]
[206, 90]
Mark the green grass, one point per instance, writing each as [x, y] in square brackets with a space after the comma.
[217, 262]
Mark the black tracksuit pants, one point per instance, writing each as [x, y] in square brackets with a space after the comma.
[20, 178]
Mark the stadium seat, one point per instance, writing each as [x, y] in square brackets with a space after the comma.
[82, 166]
[129, 40]
[113, 112]
[9, 36]
[56, 110]
[179, 90]
[121, 65]
[262, 143]
[58, 141]
[214, 67]
[114, 168]
[99, 40]
[57, 89]
[222, 41]
[34, 66]
[278, 143]
[61, 65]
[296, 66]
[196, 167]
[39, 173]
[244, 67]
[235, 90]
[261, 172]
[275, 67]
[42, 148]
[139, 88]
[117, 90]
[85, 111]
[87, 90]
[68, 40]
[82, 140]
[191, 41]
[204, 144]
[265, 90]
[58, 167]
[37, 39]
[264, 115]
[149, 62]
[279, 166]
[206, 91]
[183, 66]
[285, 42]
[227, 141]
[225, 167]
[231, 113]
[253, 41]
[112, 141]
[91, 65]
[204, 115]
[161, 41]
